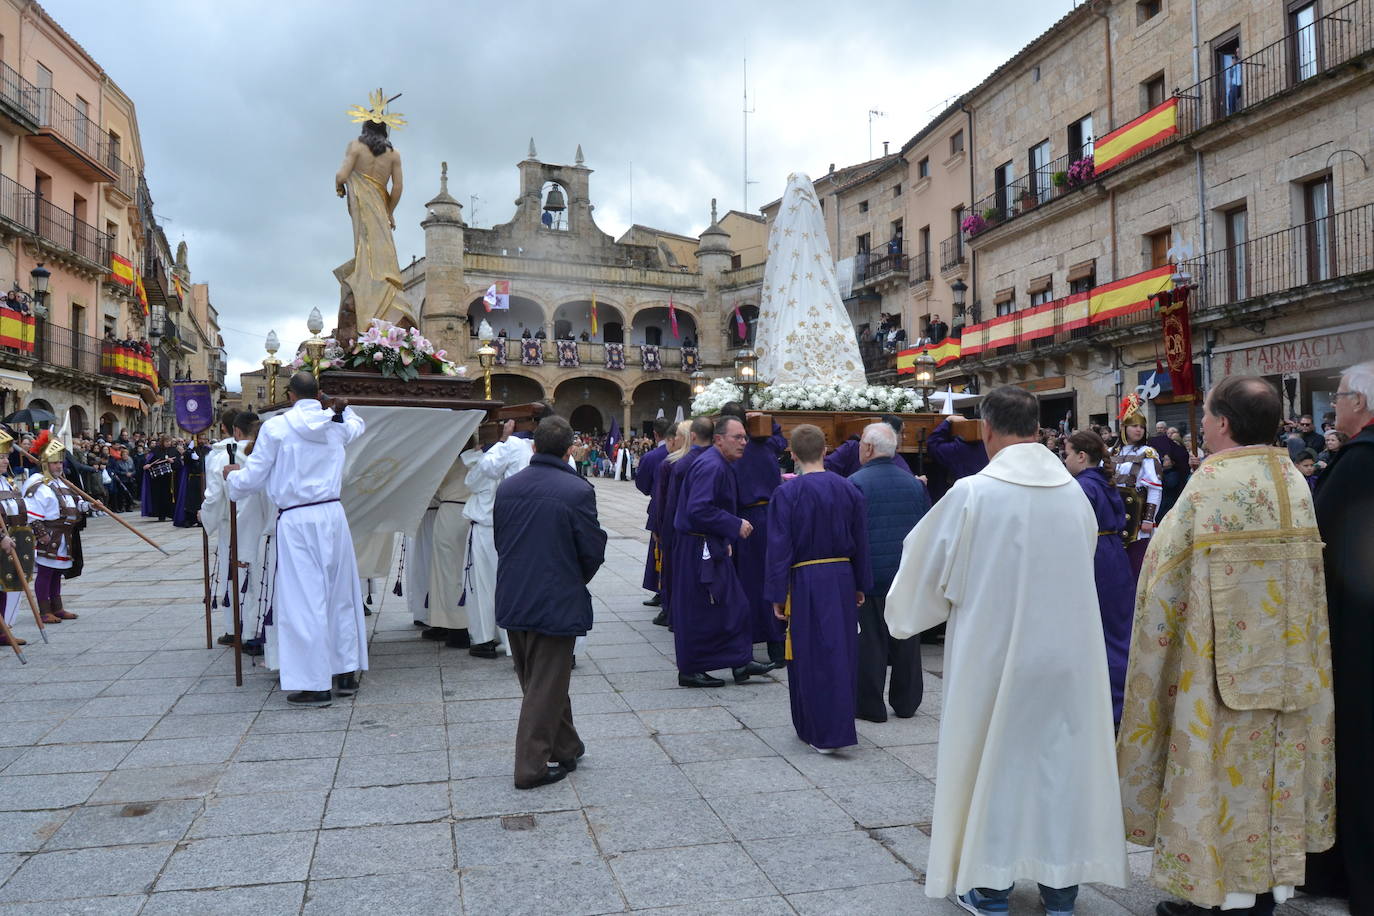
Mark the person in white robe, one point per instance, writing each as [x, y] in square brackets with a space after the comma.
[1028, 779]
[448, 558]
[418, 548]
[214, 516]
[317, 603]
[479, 576]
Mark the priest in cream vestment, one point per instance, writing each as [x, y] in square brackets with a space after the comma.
[1226, 754]
[1028, 782]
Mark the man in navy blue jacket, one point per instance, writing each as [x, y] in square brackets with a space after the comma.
[549, 544]
[896, 502]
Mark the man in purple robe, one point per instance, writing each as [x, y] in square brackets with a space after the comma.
[702, 429]
[710, 611]
[758, 475]
[817, 573]
[956, 457]
[644, 482]
[845, 459]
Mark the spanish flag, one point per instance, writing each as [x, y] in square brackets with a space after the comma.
[1154, 126]
[1129, 295]
[16, 330]
[946, 351]
[593, 312]
[142, 293]
[178, 287]
[122, 269]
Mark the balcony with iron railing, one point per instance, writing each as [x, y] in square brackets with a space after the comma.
[952, 252]
[70, 136]
[18, 98]
[1343, 35]
[24, 211]
[1229, 283]
[69, 349]
[872, 268]
[126, 183]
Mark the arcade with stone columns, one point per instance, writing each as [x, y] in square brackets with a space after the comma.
[555, 259]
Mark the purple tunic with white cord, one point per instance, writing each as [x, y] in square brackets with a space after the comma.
[1115, 580]
[845, 459]
[758, 475]
[820, 516]
[710, 612]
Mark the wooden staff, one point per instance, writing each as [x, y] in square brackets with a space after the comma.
[24, 581]
[9, 637]
[234, 582]
[205, 572]
[99, 505]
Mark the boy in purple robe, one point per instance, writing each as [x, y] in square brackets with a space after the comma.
[817, 572]
[710, 612]
[758, 475]
[1084, 453]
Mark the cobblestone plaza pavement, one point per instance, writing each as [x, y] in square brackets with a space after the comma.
[136, 779]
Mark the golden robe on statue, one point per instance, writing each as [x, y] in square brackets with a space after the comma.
[1226, 751]
[373, 276]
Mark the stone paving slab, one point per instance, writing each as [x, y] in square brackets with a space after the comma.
[137, 780]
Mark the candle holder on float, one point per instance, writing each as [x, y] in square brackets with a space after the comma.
[271, 366]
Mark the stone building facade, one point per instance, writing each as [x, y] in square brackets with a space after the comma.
[556, 261]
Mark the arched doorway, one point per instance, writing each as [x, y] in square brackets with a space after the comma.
[108, 421]
[658, 394]
[515, 389]
[600, 395]
[41, 404]
[586, 420]
[655, 326]
[750, 314]
[523, 314]
[79, 422]
[575, 318]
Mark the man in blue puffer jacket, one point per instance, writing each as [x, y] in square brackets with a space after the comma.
[896, 502]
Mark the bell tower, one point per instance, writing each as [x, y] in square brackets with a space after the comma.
[443, 318]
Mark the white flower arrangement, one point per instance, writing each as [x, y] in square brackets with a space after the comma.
[717, 394]
[872, 398]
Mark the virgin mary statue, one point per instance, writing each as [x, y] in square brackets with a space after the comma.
[371, 282]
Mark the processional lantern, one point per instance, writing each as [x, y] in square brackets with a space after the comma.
[314, 345]
[698, 382]
[271, 366]
[746, 374]
[486, 356]
[925, 376]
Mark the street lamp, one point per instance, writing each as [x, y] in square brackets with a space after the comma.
[40, 276]
[314, 346]
[486, 355]
[960, 290]
[746, 374]
[698, 382]
[271, 366]
[925, 376]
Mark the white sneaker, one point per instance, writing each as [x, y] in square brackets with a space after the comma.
[823, 750]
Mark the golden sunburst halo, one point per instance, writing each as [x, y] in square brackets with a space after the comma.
[376, 111]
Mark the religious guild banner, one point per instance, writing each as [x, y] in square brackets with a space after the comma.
[499, 345]
[615, 356]
[1178, 341]
[652, 361]
[531, 353]
[195, 410]
[690, 359]
[567, 355]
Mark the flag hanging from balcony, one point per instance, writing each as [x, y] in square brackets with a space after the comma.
[178, 287]
[593, 313]
[947, 351]
[123, 270]
[1154, 126]
[16, 330]
[498, 295]
[672, 315]
[195, 409]
[1129, 295]
[1178, 341]
[142, 293]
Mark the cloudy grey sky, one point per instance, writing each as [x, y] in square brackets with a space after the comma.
[241, 110]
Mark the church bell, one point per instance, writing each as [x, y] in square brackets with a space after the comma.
[555, 203]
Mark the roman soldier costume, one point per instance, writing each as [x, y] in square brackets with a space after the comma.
[15, 513]
[1137, 475]
[58, 515]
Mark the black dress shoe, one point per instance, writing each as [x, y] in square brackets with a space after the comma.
[1180, 908]
[571, 765]
[226, 640]
[345, 685]
[419, 623]
[701, 679]
[319, 698]
[435, 633]
[867, 718]
[367, 611]
[655, 601]
[253, 648]
[554, 774]
[661, 619]
[458, 639]
[483, 650]
[743, 672]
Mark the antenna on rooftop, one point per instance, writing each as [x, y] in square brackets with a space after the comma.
[747, 112]
[873, 113]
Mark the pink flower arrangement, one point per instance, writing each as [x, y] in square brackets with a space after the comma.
[395, 352]
[1081, 172]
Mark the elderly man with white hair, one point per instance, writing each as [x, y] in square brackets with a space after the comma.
[1345, 505]
[896, 502]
